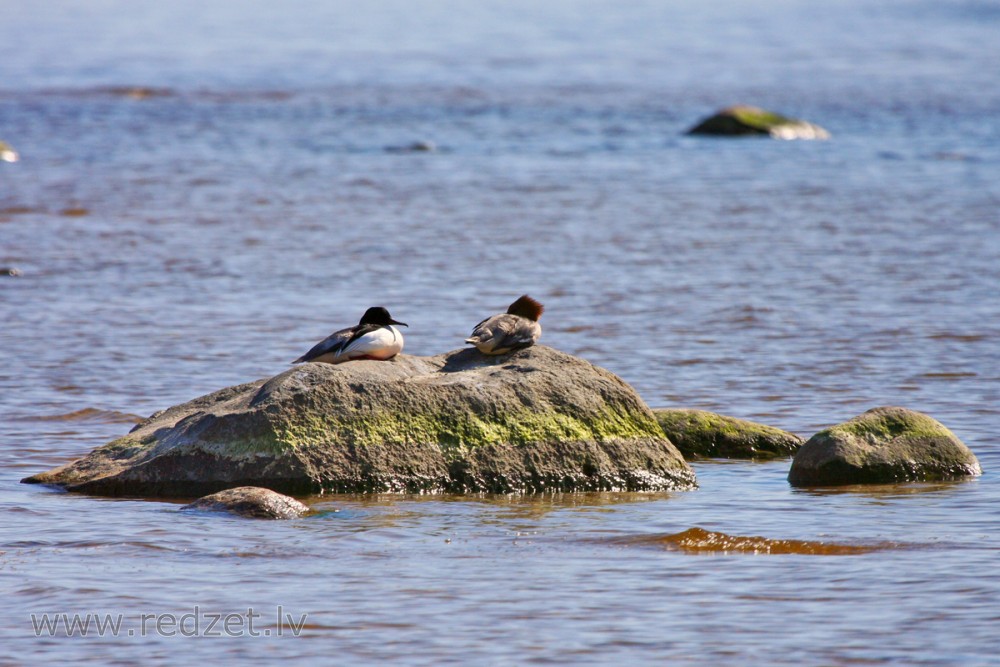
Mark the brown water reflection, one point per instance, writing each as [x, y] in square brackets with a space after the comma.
[698, 540]
[387, 510]
[884, 491]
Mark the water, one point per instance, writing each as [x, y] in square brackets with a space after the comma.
[210, 228]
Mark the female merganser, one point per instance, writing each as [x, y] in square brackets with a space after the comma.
[517, 328]
[373, 338]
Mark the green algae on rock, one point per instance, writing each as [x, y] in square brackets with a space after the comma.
[702, 434]
[742, 120]
[883, 445]
[252, 502]
[533, 420]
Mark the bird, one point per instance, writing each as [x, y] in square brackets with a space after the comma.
[374, 337]
[505, 332]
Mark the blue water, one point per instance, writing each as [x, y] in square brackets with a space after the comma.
[207, 189]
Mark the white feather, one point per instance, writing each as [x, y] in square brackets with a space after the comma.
[383, 343]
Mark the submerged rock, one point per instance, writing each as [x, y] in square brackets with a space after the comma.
[252, 502]
[137, 92]
[883, 445]
[533, 420]
[697, 433]
[744, 120]
[414, 147]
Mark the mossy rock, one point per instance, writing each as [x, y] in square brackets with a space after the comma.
[701, 434]
[533, 420]
[252, 502]
[883, 445]
[741, 121]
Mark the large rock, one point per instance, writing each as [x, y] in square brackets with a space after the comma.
[533, 420]
[701, 434]
[252, 502]
[741, 120]
[883, 445]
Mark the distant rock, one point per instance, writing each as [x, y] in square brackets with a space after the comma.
[7, 153]
[252, 502]
[415, 147]
[742, 120]
[137, 92]
[532, 420]
[883, 445]
[701, 434]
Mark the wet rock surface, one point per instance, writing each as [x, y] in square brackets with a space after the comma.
[252, 502]
[702, 434]
[532, 420]
[883, 445]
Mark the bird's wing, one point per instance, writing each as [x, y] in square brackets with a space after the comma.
[337, 342]
[504, 331]
[479, 330]
[515, 334]
[359, 331]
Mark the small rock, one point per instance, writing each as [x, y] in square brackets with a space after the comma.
[744, 120]
[7, 153]
[252, 502]
[701, 434]
[883, 445]
[415, 147]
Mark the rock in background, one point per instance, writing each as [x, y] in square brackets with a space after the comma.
[741, 121]
[7, 152]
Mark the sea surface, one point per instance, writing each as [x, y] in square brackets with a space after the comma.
[206, 189]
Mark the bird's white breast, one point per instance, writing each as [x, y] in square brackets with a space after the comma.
[383, 343]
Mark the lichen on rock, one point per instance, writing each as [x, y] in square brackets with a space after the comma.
[883, 445]
[703, 434]
[743, 120]
[533, 420]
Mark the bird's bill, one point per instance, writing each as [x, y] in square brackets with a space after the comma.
[402, 324]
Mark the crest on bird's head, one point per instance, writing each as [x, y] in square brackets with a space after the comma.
[526, 307]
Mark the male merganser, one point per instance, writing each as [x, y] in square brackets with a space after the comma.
[517, 328]
[373, 338]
